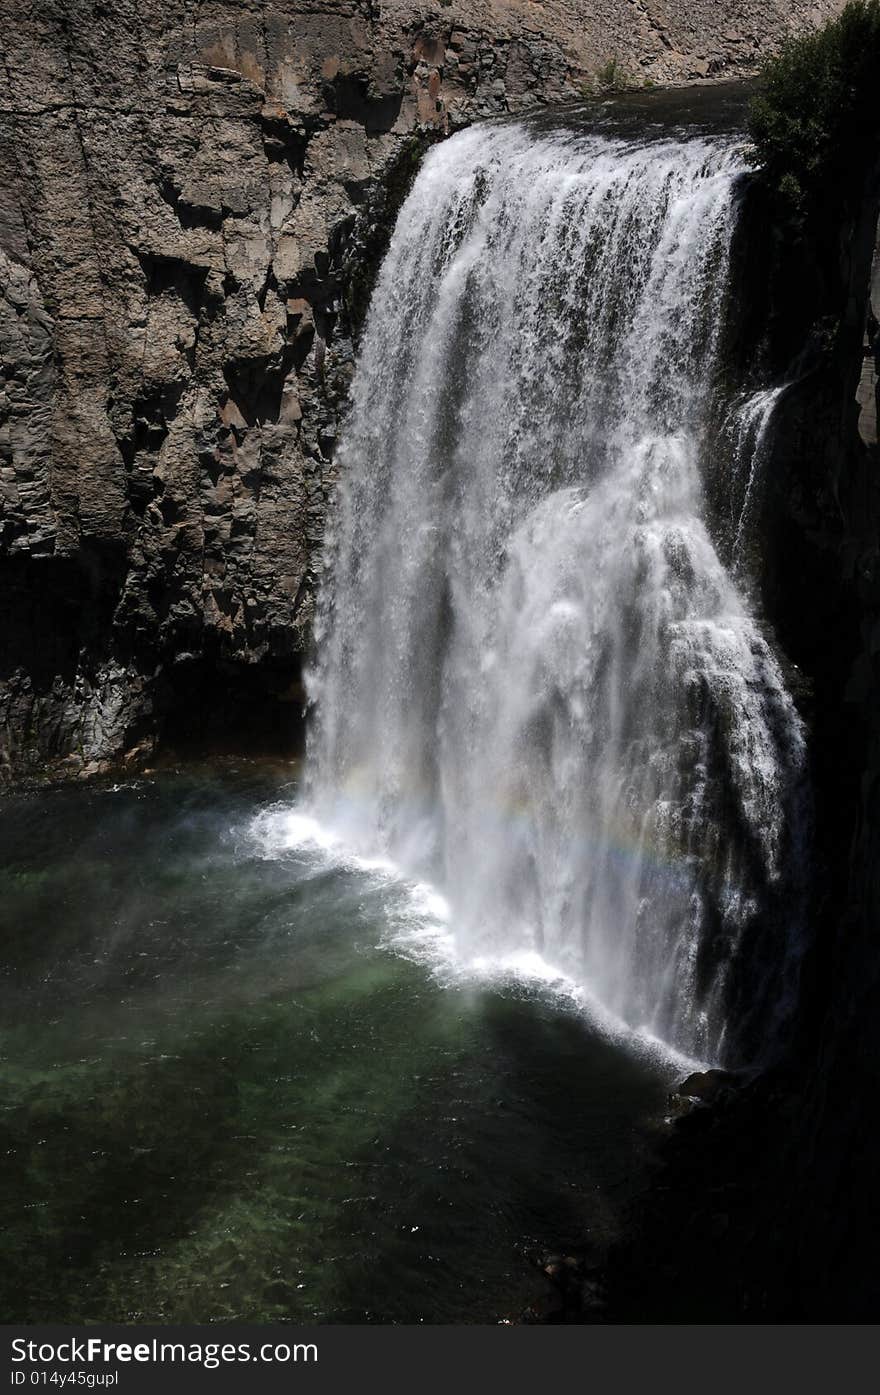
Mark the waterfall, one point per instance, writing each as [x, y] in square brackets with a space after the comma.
[749, 430]
[536, 684]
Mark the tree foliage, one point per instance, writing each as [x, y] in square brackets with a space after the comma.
[815, 122]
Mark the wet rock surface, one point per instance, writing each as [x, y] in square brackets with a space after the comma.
[704, 1085]
[189, 219]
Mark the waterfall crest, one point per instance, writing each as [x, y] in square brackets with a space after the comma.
[536, 683]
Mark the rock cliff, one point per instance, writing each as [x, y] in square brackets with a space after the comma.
[189, 194]
[771, 1190]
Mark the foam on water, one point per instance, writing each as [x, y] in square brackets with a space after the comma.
[419, 928]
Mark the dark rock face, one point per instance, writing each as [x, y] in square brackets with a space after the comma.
[769, 1188]
[824, 588]
[188, 215]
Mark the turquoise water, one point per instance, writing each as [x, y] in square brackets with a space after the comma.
[227, 1096]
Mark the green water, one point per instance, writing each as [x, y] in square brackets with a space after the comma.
[224, 1099]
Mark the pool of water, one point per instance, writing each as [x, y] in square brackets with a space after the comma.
[232, 1091]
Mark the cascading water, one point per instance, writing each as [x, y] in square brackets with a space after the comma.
[749, 429]
[536, 683]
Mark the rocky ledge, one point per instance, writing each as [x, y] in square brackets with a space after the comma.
[193, 197]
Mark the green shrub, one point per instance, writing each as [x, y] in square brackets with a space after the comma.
[612, 77]
[815, 122]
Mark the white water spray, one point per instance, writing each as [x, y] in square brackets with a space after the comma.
[750, 431]
[537, 686]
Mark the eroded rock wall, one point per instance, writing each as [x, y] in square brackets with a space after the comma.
[180, 188]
